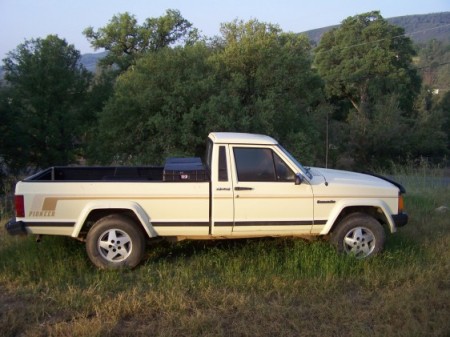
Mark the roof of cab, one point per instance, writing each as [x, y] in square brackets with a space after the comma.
[241, 138]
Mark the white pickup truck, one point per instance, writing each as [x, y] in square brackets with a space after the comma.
[248, 186]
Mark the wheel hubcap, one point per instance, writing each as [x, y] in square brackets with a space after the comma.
[359, 242]
[114, 245]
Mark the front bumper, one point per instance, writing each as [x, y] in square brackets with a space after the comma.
[15, 227]
[400, 219]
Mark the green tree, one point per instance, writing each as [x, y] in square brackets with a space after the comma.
[368, 62]
[43, 104]
[444, 106]
[383, 137]
[147, 118]
[432, 126]
[255, 78]
[430, 131]
[9, 140]
[366, 58]
[434, 64]
[266, 84]
[126, 40]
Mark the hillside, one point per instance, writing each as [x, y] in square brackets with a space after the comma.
[420, 28]
[90, 60]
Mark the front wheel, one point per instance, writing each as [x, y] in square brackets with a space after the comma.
[115, 242]
[359, 235]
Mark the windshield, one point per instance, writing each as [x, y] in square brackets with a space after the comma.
[300, 166]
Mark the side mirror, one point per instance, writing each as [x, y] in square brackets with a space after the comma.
[298, 179]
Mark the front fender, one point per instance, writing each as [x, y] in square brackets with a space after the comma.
[341, 205]
[111, 205]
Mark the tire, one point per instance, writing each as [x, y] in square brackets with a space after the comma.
[115, 242]
[359, 235]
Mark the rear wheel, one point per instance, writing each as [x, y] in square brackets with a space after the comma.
[115, 242]
[359, 235]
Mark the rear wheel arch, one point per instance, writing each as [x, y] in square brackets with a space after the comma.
[97, 210]
[97, 214]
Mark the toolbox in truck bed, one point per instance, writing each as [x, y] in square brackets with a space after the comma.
[184, 169]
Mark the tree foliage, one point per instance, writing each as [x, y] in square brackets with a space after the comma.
[126, 40]
[267, 75]
[434, 64]
[368, 62]
[146, 118]
[365, 58]
[43, 103]
[254, 79]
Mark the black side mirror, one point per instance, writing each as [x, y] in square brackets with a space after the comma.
[298, 179]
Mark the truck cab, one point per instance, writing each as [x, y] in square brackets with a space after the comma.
[254, 190]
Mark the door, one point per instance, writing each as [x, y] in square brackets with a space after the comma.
[266, 199]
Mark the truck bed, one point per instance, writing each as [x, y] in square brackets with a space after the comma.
[175, 169]
[107, 173]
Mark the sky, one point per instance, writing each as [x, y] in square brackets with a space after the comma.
[22, 20]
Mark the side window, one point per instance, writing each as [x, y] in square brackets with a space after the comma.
[254, 164]
[223, 170]
[284, 173]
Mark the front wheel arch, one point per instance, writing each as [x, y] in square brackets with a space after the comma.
[359, 234]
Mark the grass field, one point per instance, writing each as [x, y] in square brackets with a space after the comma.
[262, 287]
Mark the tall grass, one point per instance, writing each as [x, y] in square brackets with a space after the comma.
[260, 287]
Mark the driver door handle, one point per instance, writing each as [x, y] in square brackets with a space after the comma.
[243, 188]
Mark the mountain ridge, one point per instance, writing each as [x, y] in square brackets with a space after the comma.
[419, 27]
